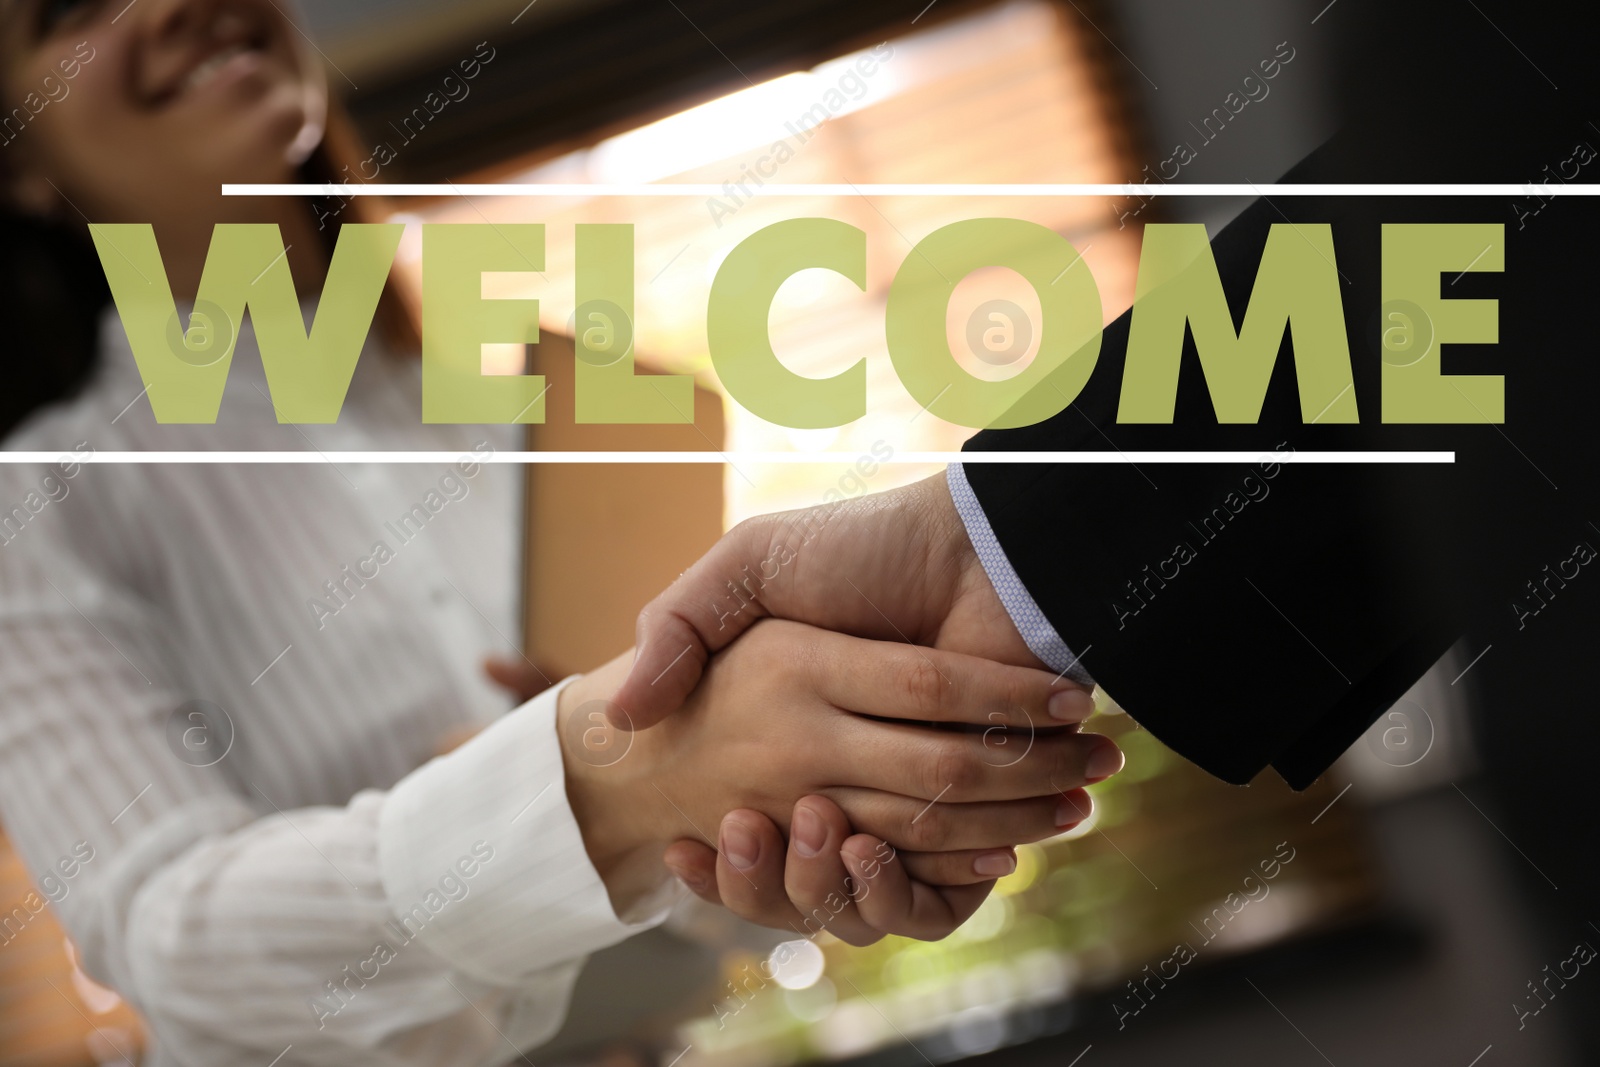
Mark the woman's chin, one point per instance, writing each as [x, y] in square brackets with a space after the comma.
[305, 142]
[290, 132]
[264, 156]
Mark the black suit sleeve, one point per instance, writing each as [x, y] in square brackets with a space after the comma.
[1266, 614]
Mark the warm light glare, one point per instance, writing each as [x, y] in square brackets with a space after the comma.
[718, 129]
[751, 118]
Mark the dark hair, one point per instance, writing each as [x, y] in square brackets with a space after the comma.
[51, 294]
[53, 290]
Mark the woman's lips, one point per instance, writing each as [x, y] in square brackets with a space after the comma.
[224, 65]
[212, 66]
[223, 68]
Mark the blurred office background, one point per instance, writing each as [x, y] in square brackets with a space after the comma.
[1383, 917]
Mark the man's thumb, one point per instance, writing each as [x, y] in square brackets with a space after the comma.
[701, 613]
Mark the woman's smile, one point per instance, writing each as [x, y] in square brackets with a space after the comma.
[232, 50]
[229, 64]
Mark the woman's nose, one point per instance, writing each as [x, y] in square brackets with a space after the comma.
[177, 20]
[166, 36]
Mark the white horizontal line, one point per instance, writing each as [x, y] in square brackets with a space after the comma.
[789, 458]
[699, 190]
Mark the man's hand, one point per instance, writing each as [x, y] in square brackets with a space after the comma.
[895, 566]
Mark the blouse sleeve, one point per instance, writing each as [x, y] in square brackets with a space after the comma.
[440, 922]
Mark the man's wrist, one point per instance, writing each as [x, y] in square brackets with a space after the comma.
[987, 566]
[943, 518]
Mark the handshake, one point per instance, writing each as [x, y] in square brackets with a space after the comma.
[829, 722]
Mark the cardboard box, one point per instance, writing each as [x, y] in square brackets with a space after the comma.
[603, 539]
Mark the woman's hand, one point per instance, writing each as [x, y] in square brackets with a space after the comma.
[856, 887]
[960, 753]
[519, 676]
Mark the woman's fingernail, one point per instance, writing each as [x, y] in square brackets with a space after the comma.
[740, 845]
[1070, 705]
[1071, 810]
[1103, 762]
[693, 881]
[856, 867]
[995, 864]
[809, 833]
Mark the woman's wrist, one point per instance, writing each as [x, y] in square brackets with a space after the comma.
[609, 785]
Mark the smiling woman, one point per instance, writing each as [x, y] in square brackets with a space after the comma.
[167, 103]
[229, 899]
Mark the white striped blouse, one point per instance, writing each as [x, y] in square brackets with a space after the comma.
[222, 681]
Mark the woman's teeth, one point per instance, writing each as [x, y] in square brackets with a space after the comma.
[208, 69]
